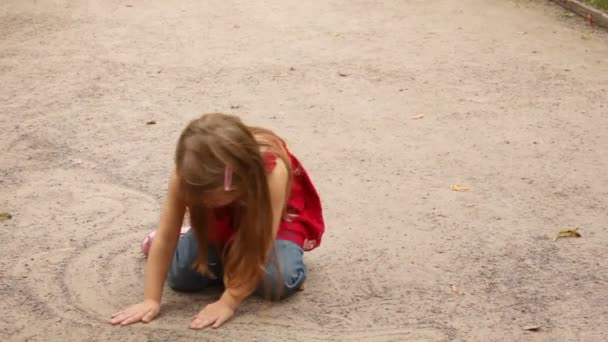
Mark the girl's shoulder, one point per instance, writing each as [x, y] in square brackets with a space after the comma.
[270, 160]
[273, 150]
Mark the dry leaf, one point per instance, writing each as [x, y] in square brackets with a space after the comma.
[151, 122]
[5, 216]
[567, 233]
[417, 117]
[235, 106]
[456, 187]
[342, 74]
[532, 327]
[454, 289]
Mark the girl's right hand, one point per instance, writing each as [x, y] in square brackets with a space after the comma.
[142, 312]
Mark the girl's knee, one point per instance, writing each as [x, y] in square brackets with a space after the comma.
[176, 282]
[285, 274]
[276, 286]
[184, 279]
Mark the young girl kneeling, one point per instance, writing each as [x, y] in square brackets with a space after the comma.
[253, 212]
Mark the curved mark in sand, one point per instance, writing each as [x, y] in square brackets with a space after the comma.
[106, 222]
[105, 273]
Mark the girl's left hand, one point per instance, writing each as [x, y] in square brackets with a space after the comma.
[213, 315]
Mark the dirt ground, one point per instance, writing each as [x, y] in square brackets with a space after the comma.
[514, 101]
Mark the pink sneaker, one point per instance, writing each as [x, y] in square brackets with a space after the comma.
[147, 243]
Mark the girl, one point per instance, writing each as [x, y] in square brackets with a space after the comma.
[253, 211]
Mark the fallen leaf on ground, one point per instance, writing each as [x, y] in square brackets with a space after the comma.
[235, 106]
[151, 122]
[342, 74]
[567, 233]
[455, 289]
[532, 327]
[417, 117]
[456, 187]
[5, 216]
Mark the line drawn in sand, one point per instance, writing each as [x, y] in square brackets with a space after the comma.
[87, 283]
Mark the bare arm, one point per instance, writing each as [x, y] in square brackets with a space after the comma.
[277, 183]
[165, 241]
[218, 313]
[159, 259]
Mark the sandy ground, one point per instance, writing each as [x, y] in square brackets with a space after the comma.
[514, 98]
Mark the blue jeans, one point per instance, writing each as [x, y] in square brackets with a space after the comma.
[278, 283]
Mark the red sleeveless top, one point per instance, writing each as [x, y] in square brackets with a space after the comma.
[303, 223]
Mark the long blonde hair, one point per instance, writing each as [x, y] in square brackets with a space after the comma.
[205, 148]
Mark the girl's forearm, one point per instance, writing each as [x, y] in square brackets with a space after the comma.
[165, 241]
[157, 267]
[236, 295]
